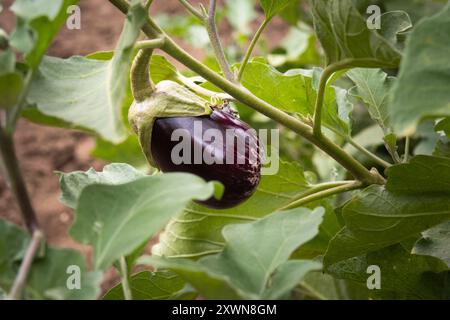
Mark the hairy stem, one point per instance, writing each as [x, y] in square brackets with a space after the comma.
[16, 181]
[152, 30]
[21, 278]
[369, 154]
[211, 27]
[124, 272]
[252, 45]
[324, 194]
[192, 10]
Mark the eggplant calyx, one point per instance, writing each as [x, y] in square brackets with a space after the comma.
[168, 99]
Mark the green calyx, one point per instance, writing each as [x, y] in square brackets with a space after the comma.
[168, 99]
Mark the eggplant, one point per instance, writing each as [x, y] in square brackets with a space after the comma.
[237, 161]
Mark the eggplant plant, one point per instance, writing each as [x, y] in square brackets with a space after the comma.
[357, 208]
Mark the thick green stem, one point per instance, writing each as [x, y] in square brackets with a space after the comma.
[324, 194]
[326, 74]
[251, 47]
[407, 147]
[246, 97]
[141, 84]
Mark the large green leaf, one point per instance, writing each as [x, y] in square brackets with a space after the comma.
[116, 219]
[38, 21]
[198, 230]
[147, 285]
[73, 183]
[344, 34]
[423, 174]
[403, 275]
[435, 243]
[422, 86]
[255, 260]
[372, 87]
[90, 93]
[49, 274]
[295, 91]
[379, 217]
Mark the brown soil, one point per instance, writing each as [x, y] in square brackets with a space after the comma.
[43, 150]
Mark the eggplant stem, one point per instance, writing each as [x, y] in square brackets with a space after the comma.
[141, 84]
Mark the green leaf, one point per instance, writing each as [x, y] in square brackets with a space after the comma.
[422, 86]
[435, 243]
[198, 230]
[147, 285]
[73, 183]
[90, 93]
[255, 260]
[273, 7]
[13, 243]
[11, 86]
[415, 198]
[116, 219]
[423, 174]
[294, 91]
[403, 275]
[162, 69]
[240, 13]
[344, 34]
[372, 87]
[38, 21]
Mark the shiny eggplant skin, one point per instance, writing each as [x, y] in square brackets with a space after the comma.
[240, 176]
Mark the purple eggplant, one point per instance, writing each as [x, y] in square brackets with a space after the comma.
[234, 159]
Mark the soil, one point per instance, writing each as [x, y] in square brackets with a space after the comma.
[44, 150]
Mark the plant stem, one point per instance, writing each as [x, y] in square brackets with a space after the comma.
[324, 194]
[152, 30]
[149, 44]
[192, 10]
[252, 45]
[211, 28]
[17, 288]
[125, 279]
[14, 114]
[142, 85]
[369, 154]
[16, 182]
[407, 147]
[321, 187]
[326, 74]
